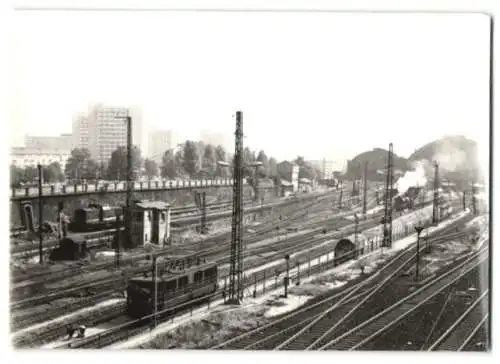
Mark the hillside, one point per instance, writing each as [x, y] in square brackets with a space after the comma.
[377, 161]
[456, 156]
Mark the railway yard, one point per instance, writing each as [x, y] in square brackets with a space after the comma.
[305, 285]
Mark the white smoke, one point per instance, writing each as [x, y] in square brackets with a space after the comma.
[415, 178]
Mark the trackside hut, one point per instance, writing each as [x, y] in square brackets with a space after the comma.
[150, 223]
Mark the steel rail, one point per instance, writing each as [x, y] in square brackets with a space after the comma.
[366, 331]
[307, 308]
[255, 331]
[474, 332]
[450, 339]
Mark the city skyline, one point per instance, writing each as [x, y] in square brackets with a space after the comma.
[299, 97]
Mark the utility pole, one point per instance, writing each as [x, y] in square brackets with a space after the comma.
[356, 222]
[256, 180]
[60, 207]
[464, 201]
[155, 292]
[418, 229]
[128, 215]
[473, 199]
[365, 188]
[435, 202]
[387, 241]
[236, 263]
[204, 213]
[40, 212]
[341, 192]
[118, 238]
[287, 278]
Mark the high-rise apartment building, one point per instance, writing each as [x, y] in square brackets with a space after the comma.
[104, 129]
[80, 131]
[107, 130]
[159, 142]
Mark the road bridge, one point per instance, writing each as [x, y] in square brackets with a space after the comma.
[61, 191]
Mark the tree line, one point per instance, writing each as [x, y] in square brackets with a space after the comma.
[192, 159]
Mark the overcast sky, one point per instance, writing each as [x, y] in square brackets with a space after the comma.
[320, 84]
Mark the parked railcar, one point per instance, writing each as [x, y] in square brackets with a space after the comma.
[174, 287]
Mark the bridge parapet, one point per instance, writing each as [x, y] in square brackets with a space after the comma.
[114, 187]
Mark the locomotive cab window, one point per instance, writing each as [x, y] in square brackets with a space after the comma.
[198, 276]
[183, 282]
[210, 273]
[170, 286]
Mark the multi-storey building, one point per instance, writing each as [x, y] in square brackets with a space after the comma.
[214, 139]
[327, 167]
[106, 129]
[159, 142]
[23, 157]
[61, 142]
[80, 131]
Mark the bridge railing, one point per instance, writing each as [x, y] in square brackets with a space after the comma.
[103, 187]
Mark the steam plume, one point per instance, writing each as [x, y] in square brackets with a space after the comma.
[413, 178]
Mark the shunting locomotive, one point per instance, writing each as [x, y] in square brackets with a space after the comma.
[179, 280]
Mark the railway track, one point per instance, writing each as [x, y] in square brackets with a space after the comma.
[219, 254]
[278, 249]
[311, 325]
[109, 234]
[460, 333]
[134, 327]
[368, 330]
[28, 249]
[248, 284]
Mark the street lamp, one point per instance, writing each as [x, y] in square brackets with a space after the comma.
[418, 229]
[287, 278]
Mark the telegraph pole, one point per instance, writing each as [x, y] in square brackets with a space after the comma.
[236, 263]
[387, 241]
[365, 188]
[40, 212]
[435, 202]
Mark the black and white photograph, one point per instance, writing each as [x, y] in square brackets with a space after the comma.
[249, 180]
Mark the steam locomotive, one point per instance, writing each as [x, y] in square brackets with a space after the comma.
[182, 281]
[94, 218]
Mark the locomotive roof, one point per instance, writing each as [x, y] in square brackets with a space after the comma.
[170, 274]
